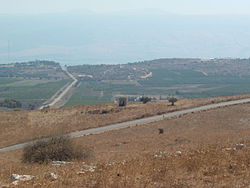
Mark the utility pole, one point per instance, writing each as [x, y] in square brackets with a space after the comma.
[8, 51]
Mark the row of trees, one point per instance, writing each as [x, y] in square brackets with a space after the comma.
[10, 103]
[123, 100]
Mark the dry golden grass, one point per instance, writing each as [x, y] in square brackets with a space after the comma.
[17, 127]
[206, 166]
[140, 157]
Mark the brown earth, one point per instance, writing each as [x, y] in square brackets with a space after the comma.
[18, 127]
[141, 157]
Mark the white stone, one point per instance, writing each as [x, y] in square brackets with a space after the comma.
[88, 168]
[178, 153]
[59, 163]
[52, 176]
[17, 178]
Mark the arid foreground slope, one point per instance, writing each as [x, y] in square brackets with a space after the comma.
[206, 149]
[22, 126]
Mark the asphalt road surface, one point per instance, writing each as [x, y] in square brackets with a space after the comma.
[137, 122]
[64, 92]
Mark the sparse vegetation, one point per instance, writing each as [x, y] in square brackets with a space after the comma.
[29, 125]
[56, 148]
[193, 155]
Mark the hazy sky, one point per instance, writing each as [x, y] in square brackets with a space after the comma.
[170, 6]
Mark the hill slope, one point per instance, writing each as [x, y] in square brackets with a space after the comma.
[141, 157]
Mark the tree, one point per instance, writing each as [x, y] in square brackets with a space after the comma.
[145, 99]
[172, 100]
[122, 101]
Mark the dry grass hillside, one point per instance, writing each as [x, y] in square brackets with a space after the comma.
[206, 149]
[21, 126]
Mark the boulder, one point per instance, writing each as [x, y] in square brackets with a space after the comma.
[51, 176]
[17, 178]
[178, 153]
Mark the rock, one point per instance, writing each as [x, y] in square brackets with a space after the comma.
[228, 149]
[17, 178]
[240, 146]
[51, 176]
[87, 168]
[59, 163]
[178, 153]
[80, 172]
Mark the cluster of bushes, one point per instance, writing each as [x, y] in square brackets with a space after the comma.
[10, 103]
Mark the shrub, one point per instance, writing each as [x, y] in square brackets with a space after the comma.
[161, 131]
[145, 100]
[57, 148]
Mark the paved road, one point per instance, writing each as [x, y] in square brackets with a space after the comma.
[138, 122]
[64, 92]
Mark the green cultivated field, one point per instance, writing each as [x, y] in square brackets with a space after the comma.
[4, 81]
[183, 83]
[189, 83]
[89, 93]
[29, 91]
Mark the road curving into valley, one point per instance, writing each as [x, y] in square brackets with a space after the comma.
[138, 122]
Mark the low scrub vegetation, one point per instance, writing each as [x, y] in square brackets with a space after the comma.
[57, 148]
[145, 100]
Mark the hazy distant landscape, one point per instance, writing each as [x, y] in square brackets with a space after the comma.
[125, 94]
[34, 83]
[121, 37]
